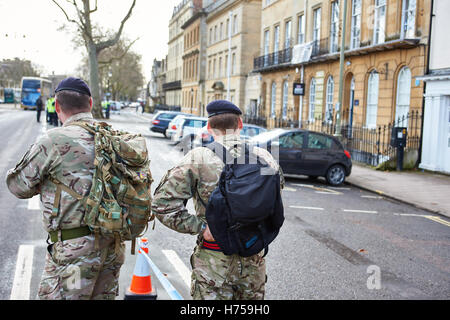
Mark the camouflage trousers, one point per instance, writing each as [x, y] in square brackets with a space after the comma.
[75, 270]
[216, 276]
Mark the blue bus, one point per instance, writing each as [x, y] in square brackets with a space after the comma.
[32, 88]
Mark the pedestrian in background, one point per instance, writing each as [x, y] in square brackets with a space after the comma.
[39, 105]
[76, 266]
[215, 276]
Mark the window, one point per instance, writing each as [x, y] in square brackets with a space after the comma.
[273, 100]
[210, 35]
[235, 24]
[276, 44]
[403, 96]
[356, 24]
[312, 99]
[215, 33]
[379, 21]
[329, 106]
[221, 37]
[220, 67]
[287, 34]
[316, 30]
[372, 100]
[318, 141]
[409, 18]
[233, 63]
[292, 141]
[266, 47]
[285, 99]
[214, 69]
[334, 30]
[301, 30]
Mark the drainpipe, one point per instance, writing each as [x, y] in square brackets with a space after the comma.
[427, 71]
[341, 72]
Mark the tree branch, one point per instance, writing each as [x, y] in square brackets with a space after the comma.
[67, 16]
[108, 43]
[127, 48]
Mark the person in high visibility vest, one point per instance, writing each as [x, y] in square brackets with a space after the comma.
[51, 111]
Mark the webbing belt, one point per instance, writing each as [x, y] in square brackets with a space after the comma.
[69, 234]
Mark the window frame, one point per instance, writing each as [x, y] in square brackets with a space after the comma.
[312, 99]
[372, 99]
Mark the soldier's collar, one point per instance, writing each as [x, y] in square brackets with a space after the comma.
[228, 139]
[77, 117]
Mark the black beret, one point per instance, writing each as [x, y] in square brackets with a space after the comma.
[222, 106]
[74, 84]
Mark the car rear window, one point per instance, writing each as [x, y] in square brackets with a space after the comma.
[318, 141]
[195, 123]
[166, 116]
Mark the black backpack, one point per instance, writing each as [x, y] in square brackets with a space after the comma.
[245, 211]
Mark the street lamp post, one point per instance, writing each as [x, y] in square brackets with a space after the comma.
[341, 72]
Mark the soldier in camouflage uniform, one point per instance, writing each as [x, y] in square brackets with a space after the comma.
[214, 274]
[74, 269]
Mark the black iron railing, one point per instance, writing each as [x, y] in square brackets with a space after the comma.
[320, 47]
[273, 59]
[372, 145]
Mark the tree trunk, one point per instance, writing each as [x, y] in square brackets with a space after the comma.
[94, 82]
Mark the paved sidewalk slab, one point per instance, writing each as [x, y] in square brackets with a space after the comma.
[424, 190]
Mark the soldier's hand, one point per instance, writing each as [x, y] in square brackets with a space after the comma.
[207, 234]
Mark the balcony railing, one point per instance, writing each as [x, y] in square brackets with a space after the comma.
[174, 85]
[320, 47]
[273, 59]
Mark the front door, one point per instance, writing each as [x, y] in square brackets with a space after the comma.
[350, 107]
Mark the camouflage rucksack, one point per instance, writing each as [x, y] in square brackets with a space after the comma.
[119, 202]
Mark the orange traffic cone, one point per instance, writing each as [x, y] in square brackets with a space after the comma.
[141, 283]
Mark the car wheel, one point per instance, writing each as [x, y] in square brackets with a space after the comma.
[335, 175]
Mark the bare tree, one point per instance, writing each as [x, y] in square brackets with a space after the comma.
[94, 44]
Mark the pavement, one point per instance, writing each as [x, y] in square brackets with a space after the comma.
[422, 189]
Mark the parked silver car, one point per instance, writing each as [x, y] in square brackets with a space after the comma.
[189, 127]
[175, 124]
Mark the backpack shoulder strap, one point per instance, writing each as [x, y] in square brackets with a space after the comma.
[83, 125]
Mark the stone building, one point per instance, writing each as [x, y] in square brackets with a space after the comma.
[233, 28]
[194, 64]
[181, 13]
[385, 49]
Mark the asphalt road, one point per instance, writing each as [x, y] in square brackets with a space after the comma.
[336, 243]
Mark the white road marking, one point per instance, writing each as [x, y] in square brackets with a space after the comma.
[327, 192]
[372, 197]
[34, 203]
[22, 277]
[179, 265]
[308, 208]
[289, 189]
[359, 211]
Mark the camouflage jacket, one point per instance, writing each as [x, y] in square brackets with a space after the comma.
[67, 154]
[197, 174]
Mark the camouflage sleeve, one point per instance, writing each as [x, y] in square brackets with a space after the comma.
[24, 181]
[171, 195]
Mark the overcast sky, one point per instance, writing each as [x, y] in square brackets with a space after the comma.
[29, 29]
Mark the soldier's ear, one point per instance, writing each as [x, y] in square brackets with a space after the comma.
[90, 103]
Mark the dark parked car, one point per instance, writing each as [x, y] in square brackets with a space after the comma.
[161, 121]
[308, 153]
